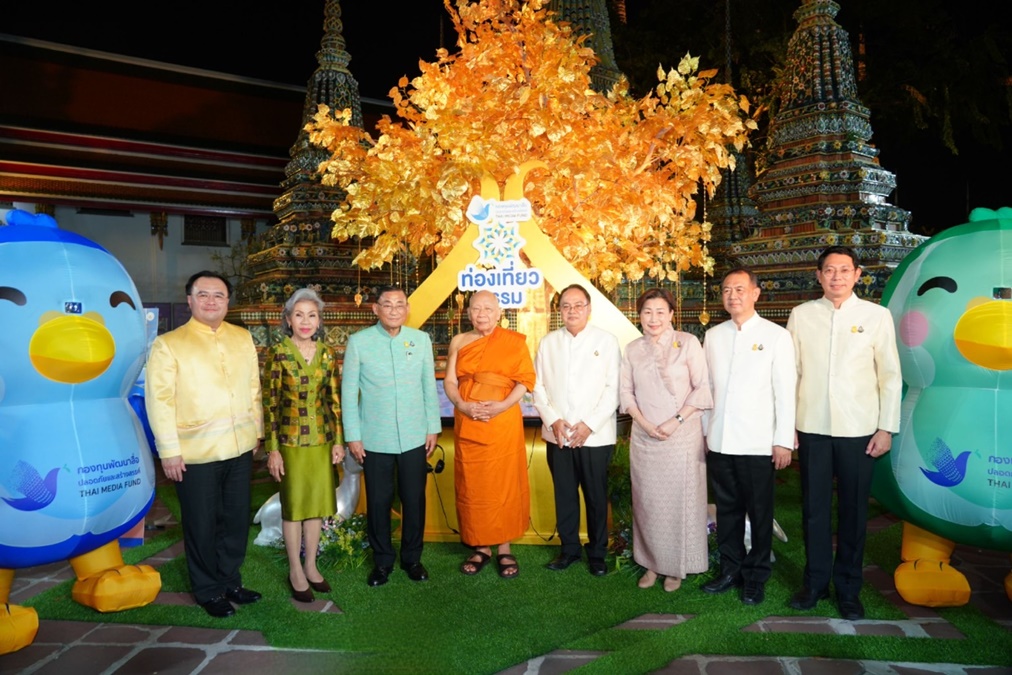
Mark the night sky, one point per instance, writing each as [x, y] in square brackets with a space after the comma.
[278, 42]
[256, 40]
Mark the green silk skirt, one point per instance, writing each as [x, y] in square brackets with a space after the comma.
[307, 488]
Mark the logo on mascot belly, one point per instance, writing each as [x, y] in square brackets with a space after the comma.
[38, 492]
[949, 471]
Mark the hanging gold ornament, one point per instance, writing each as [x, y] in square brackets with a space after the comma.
[704, 316]
[678, 300]
[358, 290]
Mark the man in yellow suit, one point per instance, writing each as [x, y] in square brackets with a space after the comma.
[203, 402]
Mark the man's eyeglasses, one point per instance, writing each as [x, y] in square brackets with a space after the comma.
[575, 307]
[204, 296]
[390, 307]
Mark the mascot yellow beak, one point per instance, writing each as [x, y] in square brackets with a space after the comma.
[72, 349]
[984, 335]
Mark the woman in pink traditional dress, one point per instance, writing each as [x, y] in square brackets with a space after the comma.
[665, 386]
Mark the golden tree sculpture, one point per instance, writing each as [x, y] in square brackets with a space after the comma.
[617, 195]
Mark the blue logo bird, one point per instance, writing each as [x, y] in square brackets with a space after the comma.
[951, 471]
[38, 492]
[479, 211]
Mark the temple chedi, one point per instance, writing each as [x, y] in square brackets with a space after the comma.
[298, 251]
[590, 18]
[822, 184]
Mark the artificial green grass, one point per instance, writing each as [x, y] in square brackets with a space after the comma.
[484, 624]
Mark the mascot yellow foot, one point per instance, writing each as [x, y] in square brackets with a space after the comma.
[931, 583]
[18, 625]
[926, 578]
[106, 584]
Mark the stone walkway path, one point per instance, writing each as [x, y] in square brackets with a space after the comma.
[985, 571]
[85, 648]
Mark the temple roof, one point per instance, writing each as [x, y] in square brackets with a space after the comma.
[94, 129]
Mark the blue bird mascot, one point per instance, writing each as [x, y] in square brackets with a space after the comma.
[75, 468]
[949, 475]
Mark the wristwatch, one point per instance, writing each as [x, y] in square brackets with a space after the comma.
[681, 420]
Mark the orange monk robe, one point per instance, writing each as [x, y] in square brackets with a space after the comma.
[490, 461]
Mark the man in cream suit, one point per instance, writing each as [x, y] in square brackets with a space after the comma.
[576, 393]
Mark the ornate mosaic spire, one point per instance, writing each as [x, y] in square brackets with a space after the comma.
[331, 84]
[590, 17]
[823, 184]
[734, 215]
[298, 251]
[819, 138]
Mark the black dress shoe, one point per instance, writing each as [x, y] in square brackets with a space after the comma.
[851, 609]
[562, 561]
[301, 596]
[416, 571]
[218, 607]
[597, 567]
[242, 596]
[753, 593]
[379, 575]
[721, 584]
[806, 598]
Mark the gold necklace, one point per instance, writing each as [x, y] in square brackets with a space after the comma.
[306, 348]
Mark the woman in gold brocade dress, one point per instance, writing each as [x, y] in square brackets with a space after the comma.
[302, 425]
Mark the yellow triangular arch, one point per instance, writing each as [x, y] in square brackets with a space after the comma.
[539, 250]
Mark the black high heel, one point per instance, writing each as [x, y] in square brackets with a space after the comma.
[301, 596]
[320, 586]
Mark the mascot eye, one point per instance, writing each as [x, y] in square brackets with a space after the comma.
[119, 297]
[945, 283]
[14, 295]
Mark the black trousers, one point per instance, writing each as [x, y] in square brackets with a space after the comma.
[382, 472]
[822, 459]
[583, 468]
[214, 503]
[743, 485]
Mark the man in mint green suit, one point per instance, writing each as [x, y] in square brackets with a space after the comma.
[390, 411]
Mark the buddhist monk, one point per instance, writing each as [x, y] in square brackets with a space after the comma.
[488, 371]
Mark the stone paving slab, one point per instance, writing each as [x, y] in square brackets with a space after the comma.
[557, 662]
[915, 628]
[553, 663]
[81, 660]
[82, 648]
[320, 605]
[655, 621]
[161, 660]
